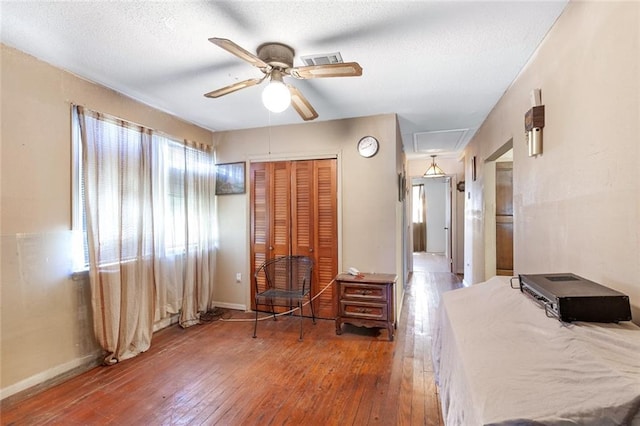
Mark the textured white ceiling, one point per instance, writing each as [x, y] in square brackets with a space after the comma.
[440, 65]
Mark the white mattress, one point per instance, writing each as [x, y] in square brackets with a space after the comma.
[499, 360]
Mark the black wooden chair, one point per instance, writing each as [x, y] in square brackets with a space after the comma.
[285, 282]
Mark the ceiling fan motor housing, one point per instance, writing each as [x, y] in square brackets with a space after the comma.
[275, 60]
[276, 54]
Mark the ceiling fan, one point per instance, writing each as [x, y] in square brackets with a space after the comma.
[275, 60]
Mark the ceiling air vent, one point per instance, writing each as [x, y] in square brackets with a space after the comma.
[329, 58]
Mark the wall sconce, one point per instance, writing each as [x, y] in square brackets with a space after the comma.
[533, 124]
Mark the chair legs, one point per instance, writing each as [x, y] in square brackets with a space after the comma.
[300, 309]
[313, 317]
[255, 326]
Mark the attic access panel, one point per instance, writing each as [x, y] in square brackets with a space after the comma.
[439, 141]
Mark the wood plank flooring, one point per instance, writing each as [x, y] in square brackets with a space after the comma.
[216, 374]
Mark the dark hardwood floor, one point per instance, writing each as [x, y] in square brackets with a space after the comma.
[216, 373]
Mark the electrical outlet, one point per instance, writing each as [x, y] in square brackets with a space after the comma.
[238, 277]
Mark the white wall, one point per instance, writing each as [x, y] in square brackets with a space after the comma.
[577, 206]
[369, 213]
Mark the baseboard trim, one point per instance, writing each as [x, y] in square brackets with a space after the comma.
[166, 322]
[52, 376]
[58, 374]
[235, 306]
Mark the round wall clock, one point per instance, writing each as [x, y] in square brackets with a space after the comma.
[368, 146]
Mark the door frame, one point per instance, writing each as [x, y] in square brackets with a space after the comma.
[489, 173]
[451, 218]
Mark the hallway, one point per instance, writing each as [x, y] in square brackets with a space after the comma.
[430, 262]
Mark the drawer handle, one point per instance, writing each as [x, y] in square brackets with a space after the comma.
[364, 310]
[365, 292]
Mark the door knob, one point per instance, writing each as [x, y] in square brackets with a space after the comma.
[270, 247]
[311, 250]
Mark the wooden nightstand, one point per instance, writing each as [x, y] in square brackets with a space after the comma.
[365, 300]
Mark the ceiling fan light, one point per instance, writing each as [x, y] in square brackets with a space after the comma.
[276, 96]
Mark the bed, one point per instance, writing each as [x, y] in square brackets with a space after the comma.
[499, 360]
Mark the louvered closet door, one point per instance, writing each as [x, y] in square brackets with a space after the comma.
[270, 217]
[293, 211]
[302, 215]
[325, 247]
[260, 218]
[280, 206]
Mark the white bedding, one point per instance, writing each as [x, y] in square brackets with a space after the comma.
[500, 361]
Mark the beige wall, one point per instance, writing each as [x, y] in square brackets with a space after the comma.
[577, 206]
[46, 325]
[368, 208]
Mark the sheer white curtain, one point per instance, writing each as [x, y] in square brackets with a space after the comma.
[149, 203]
[185, 202]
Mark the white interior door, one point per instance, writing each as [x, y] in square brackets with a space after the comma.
[436, 190]
[447, 221]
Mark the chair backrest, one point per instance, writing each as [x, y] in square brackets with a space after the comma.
[286, 273]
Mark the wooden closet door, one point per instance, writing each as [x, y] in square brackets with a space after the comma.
[270, 215]
[302, 208]
[260, 217]
[325, 246]
[504, 218]
[270, 210]
[294, 211]
[302, 216]
[315, 229]
[280, 206]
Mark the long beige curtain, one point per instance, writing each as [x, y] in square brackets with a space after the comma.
[419, 219]
[149, 205]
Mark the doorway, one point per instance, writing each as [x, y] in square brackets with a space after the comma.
[431, 223]
[499, 214]
[504, 217]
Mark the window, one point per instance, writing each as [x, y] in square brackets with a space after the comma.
[180, 223]
[132, 196]
[78, 216]
[418, 203]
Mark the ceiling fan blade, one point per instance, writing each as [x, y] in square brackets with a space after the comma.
[347, 69]
[234, 87]
[234, 49]
[302, 105]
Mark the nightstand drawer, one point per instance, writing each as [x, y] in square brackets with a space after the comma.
[374, 311]
[363, 292]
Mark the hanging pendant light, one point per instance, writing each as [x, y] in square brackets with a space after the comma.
[433, 170]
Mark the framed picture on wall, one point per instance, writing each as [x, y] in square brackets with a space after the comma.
[230, 178]
[402, 186]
